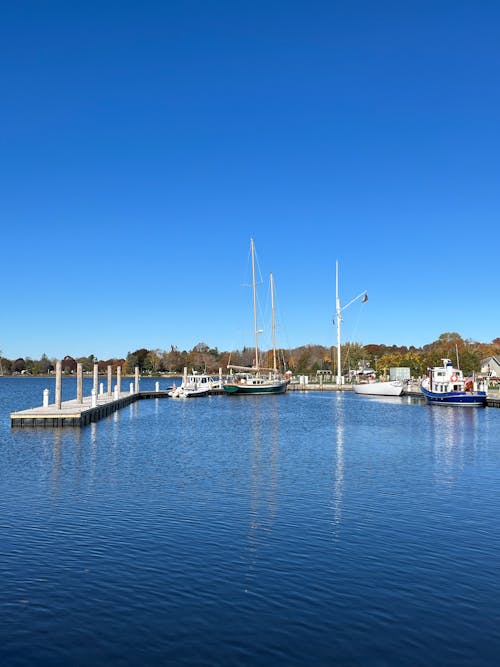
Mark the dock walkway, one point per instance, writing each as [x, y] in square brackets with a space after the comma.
[75, 413]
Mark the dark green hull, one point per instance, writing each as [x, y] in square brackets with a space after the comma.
[239, 389]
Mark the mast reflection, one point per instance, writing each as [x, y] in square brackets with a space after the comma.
[264, 476]
[338, 463]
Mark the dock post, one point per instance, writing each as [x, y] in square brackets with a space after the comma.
[131, 387]
[116, 394]
[45, 398]
[109, 380]
[185, 376]
[79, 383]
[58, 384]
[119, 379]
[157, 386]
[96, 377]
[94, 398]
[101, 388]
[136, 389]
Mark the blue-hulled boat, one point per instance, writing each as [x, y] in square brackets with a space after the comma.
[445, 385]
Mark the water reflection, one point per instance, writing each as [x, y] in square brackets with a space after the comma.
[454, 439]
[264, 421]
[56, 462]
[338, 472]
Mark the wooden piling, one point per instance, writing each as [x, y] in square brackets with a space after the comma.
[95, 386]
[79, 383]
[58, 385]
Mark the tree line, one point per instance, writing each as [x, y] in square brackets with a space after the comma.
[303, 360]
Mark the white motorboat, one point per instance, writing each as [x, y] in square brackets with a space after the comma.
[195, 385]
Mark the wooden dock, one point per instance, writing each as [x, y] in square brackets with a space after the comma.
[493, 400]
[76, 413]
[316, 386]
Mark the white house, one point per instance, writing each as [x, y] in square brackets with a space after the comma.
[491, 366]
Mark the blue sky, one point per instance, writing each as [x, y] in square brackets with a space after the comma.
[144, 143]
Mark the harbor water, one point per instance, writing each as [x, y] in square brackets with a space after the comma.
[310, 528]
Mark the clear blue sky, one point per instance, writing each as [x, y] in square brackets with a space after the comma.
[144, 142]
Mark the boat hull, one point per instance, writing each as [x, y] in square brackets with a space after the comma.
[188, 393]
[379, 388]
[474, 399]
[246, 390]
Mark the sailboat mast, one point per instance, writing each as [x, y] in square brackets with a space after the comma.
[273, 323]
[339, 318]
[338, 310]
[254, 286]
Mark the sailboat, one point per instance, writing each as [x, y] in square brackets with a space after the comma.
[373, 386]
[256, 379]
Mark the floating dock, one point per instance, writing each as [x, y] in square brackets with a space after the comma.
[76, 413]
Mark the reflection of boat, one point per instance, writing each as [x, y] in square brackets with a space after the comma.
[446, 385]
[376, 388]
[194, 386]
[257, 380]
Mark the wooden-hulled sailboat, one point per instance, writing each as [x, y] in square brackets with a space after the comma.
[256, 379]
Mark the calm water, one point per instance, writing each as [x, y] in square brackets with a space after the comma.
[304, 529]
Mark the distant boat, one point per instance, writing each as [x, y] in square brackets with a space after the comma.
[379, 388]
[256, 379]
[194, 385]
[445, 385]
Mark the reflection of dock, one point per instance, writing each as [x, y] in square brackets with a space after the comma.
[76, 413]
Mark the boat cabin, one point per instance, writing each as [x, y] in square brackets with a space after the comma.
[249, 379]
[446, 378]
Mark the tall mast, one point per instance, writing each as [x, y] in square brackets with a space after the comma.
[273, 323]
[338, 310]
[256, 332]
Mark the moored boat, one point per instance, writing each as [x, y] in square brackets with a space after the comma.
[194, 385]
[446, 385]
[256, 379]
[379, 388]
[246, 383]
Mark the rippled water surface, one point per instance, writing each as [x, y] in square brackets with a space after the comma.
[303, 529]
